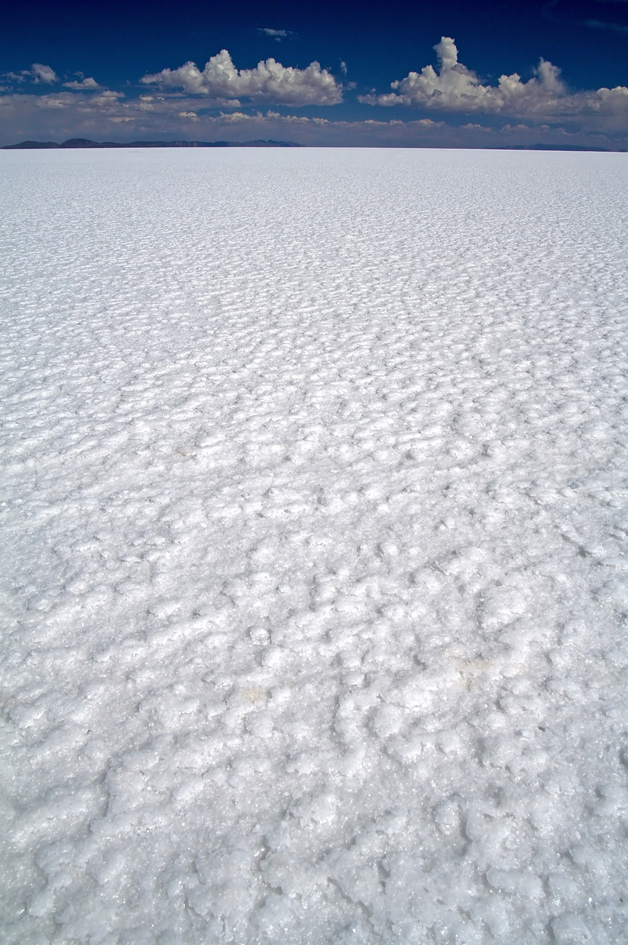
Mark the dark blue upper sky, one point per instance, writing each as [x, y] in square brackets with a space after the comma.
[362, 48]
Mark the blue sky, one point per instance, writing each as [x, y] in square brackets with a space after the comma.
[448, 73]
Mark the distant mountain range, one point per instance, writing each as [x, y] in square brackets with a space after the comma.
[86, 143]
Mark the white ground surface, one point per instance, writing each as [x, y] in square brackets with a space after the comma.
[315, 512]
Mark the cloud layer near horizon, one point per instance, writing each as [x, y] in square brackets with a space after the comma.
[191, 104]
[269, 81]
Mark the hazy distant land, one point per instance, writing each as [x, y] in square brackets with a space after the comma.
[86, 143]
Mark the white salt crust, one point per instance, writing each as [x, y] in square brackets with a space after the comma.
[314, 507]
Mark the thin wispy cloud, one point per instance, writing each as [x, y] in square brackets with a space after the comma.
[276, 34]
[601, 25]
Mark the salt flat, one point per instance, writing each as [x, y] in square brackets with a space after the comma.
[315, 509]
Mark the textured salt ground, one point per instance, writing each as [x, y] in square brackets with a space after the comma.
[314, 582]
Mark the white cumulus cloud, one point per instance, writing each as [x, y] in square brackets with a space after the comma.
[269, 81]
[455, 88]
[79, 84]
[42, 73]
[38, 74]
